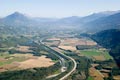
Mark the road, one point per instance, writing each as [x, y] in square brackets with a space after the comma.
[74, 68]
[62, 60]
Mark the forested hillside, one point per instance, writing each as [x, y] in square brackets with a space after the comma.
[110, 39]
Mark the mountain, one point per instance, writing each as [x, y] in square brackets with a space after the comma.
[109, 39]
[104, 23]
[95, 16]
[43, 20]
[16, 16]
[15, 23]
[91, 23]
[69, 20]
[16, 19]
[58, 23]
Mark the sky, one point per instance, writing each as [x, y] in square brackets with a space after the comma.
[57, 8]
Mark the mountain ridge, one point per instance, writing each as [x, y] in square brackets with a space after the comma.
[90, 23]
[109, 22]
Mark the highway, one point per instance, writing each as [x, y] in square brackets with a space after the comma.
[62, 61]
[74, 68]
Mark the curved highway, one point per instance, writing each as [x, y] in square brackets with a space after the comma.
[74, 68]
[63, 62]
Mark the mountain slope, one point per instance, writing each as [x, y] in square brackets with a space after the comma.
[96, 16]
[15, 23]
[109, 22]
[16, 19]
[110, 39]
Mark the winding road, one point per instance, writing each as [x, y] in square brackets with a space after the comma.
[73, 69]
[62, 60]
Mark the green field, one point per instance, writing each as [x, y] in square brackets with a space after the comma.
[9, 61]
[94, 52]
[4, 49]
[90, 78]
[106, 55]
[90, 52]
[4, 54]
[9, 58]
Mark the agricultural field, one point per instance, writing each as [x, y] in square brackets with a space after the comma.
[90, 78]
[4, 49]
[71, 43]
[72, 48]
[95, 74]
[36, 62]
[21, 57]
[116, 77]
[96, 54]
[100, 55]
[76, 41]
[53, 43]
[68, 43]
[23, 61]
[8, 61]
[24, 49]
[54, 39]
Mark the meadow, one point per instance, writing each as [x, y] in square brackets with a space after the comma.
[96, 54]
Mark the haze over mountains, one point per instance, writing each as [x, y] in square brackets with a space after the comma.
[91, 23]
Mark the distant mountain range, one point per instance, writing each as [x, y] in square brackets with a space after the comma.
[91, 23]
[96, 16]
[103, 23]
